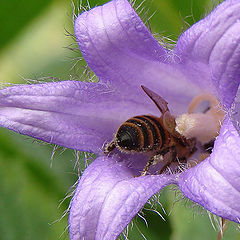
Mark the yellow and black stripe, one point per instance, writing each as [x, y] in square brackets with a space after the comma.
[142, 133]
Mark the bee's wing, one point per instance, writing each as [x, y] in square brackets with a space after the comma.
[159, 101]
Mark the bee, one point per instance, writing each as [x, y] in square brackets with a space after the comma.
[157, 135]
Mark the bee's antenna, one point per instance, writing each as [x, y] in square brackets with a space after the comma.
[159, 101]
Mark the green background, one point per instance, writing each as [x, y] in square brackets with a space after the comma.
[34, 185]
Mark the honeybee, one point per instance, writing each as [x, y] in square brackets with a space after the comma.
[157, 135]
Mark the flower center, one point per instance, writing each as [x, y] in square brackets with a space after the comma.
[202, 122]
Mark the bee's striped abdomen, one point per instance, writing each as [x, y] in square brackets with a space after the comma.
[141, 133]
[127, 137]
[140, 126]
[159, 135]
[161, 138]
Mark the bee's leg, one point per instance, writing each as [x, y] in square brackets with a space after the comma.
[150, 162]
[169, 157]
[148, 165]
[166, 156]
[109, 147]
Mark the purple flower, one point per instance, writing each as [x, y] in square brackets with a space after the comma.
[84, 116]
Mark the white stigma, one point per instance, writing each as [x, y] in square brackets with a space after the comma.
[202, 126]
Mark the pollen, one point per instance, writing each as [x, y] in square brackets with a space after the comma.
[204, 125]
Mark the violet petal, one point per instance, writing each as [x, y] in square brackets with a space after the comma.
[211, 48]
[215, 183]
[122, 52]
[76, 115]
[108, 197]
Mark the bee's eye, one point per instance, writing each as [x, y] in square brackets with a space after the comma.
[128, 137]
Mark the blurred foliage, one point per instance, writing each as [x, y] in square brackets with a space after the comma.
[16, 14]
[31, 191]
[33, 45]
